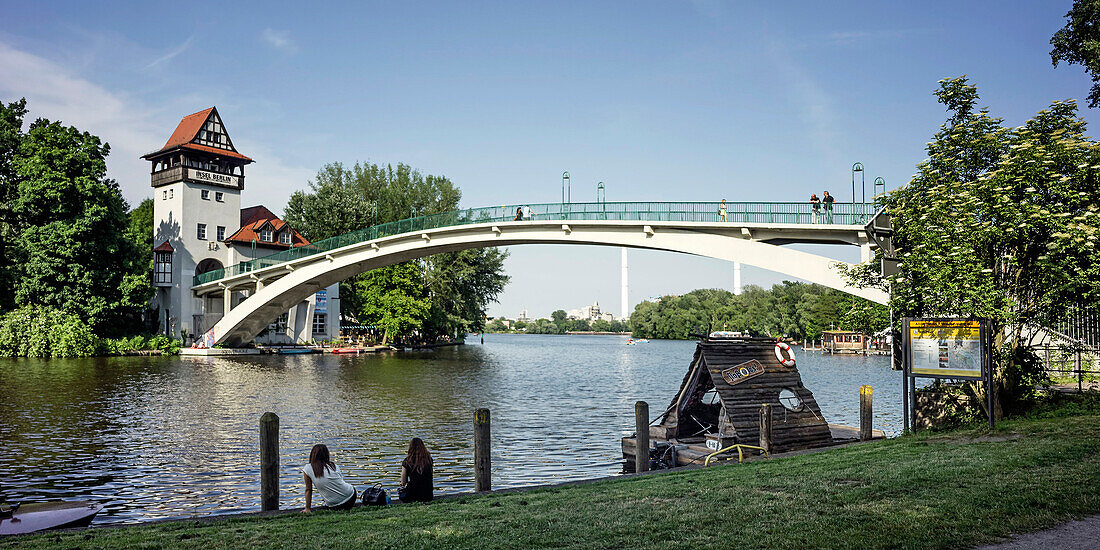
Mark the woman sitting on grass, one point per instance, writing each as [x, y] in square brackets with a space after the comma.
[416, 473]
[322, 472]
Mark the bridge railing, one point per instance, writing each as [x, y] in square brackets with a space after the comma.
[736, 212]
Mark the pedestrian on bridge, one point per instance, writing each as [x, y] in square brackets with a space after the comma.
[722, 211]
[527, 213]
[815, 204]
[519, 214]
[828, 200]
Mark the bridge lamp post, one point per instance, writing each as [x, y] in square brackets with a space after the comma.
[879, 182]
[858, 167]
[601, 193]
[564, 187]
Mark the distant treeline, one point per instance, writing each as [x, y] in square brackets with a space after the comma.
[557, 324]
[795, 310]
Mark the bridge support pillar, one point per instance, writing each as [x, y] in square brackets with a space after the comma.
[737, 278]
[227, 303]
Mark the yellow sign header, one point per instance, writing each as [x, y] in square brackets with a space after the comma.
[954, 323]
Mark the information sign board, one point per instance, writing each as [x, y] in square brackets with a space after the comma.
[321, 304]
[945, 348]
[949, 348]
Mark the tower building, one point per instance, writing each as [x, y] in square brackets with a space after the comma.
[199, 226]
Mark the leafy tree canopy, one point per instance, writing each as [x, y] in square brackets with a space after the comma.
[65, 226]
[456, 286]
[1078, 43]
[1001, 223]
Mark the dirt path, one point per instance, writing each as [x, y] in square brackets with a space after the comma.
[1082, 534]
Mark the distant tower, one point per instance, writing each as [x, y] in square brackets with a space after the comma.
[197, 179]
[626, 293]
[737, 278]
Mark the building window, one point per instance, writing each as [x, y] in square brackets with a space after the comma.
[320, 323]
[205, 194]
[279, 325]
[202, 231]
[165, 196]
[171, 193]
[284, 237]
[162, 268]
[219, 196]
[265, 236]
[221, 232]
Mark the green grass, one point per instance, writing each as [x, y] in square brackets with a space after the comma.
[944, 490]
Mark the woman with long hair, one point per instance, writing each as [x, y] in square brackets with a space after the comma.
[416, 473]
[325, 475]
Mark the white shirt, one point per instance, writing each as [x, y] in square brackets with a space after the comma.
[331, 486]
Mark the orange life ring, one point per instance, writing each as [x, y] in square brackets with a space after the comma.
[780, 347]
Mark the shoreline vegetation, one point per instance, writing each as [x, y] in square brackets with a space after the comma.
[930, 490]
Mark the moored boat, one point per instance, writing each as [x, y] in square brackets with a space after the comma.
[40, 516]
[348, 350]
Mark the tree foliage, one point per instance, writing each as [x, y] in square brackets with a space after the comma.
[392, 298]
[456, 286]
[1000, 223]
[796, 310]
[1078, 43]
[65, 226]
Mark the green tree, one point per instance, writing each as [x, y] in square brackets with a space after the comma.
[1000, 223]
[458, 285]
[392, 299]
[11, 134]
[69, 225]
[1078, 43]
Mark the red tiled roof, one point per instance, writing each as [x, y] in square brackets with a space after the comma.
[185, 133]
[164, 247]
[253, 221]
[187, 128]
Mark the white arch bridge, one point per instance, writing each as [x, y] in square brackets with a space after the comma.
[750, 233]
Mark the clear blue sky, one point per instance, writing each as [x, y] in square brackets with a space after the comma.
[659, 100]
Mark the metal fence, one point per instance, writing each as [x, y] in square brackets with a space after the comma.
[735, 212]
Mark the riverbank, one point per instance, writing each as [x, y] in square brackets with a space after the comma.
[956, 489]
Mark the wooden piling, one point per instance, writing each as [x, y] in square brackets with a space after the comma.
[864, 413]
[482, 460]
[641, 449]
[766, 426]
[269, 461]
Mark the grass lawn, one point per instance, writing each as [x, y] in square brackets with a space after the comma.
[945, 490]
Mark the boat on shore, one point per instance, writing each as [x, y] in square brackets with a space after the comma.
[40, 516]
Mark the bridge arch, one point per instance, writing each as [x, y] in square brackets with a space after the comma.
[282, 285]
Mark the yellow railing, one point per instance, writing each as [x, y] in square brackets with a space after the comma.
[740, 452]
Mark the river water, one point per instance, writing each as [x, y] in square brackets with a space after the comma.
[155, 438]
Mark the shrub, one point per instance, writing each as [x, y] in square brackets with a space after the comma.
[45, 332]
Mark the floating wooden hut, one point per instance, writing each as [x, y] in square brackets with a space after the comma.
[719, 404]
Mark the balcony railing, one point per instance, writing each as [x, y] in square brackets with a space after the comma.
[736, 212]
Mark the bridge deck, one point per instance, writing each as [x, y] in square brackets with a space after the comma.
[834, 226]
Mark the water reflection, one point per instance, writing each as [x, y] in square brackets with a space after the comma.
[171, 437]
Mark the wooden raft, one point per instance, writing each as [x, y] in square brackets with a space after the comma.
[708, 404]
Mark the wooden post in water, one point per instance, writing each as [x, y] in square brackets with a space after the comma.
[865, 413]
[766, 426]
[483, 478]
[269, 461]
[641, 424]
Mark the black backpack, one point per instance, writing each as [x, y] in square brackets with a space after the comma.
[375, 496]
